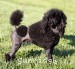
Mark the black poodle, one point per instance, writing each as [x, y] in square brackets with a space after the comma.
[45, 33]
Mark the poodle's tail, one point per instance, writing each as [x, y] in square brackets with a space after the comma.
[16, 18]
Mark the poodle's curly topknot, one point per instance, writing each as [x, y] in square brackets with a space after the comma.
[16, 17]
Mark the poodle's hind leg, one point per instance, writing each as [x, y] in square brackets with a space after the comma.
[16, 44]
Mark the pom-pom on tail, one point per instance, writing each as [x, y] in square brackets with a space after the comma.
[16, 17]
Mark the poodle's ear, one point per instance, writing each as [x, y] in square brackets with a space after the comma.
[44, 22]
[63, 22]
[64, 18]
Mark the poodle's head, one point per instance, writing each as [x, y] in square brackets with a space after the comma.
[54, 18]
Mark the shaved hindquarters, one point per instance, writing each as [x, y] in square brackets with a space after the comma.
[16, 44]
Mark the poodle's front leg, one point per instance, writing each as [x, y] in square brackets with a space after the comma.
[49, 53]
[16, 44]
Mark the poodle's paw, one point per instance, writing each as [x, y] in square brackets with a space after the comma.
[8, 58]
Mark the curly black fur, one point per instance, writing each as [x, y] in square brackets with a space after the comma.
[53, 18]
[41, 32]
[16, 17]
[21, 30]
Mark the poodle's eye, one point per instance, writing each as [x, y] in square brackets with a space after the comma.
[53, 20]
